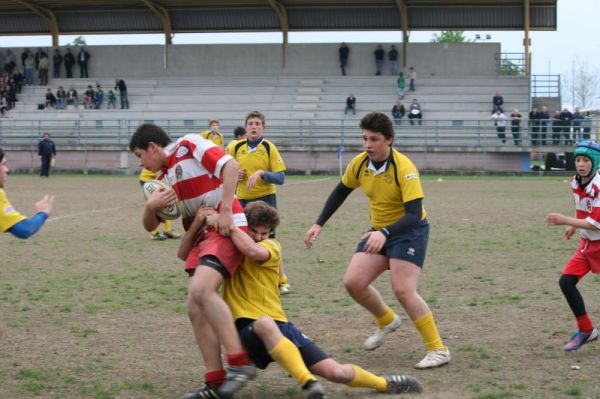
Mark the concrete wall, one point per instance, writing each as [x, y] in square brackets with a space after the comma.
[429, 59]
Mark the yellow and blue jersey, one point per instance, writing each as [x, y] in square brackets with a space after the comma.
[215, 137]
[8, 214]
[253, 290]
[146, 175]
[231, 147]
[388, 188]
[265, 156]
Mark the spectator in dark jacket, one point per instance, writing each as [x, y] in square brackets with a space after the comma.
[50, 99]
[497, 102]
[379, 56]
[343, 52]
[534, 127]
[566, 117]
[544, 118]
[47, 152]
[57, 60]
[398, 113]
[350, 104]
[122, 87]
[69, 60]
[82, 59]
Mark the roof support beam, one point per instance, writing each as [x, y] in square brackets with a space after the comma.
[48, 15]
[163, 14]
[526, 40]
[402, 9]
[281, 12]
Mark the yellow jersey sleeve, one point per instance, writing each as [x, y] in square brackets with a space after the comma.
[410, 182]
[351, 177]
[253, 290]
[231, 147]
[276, 163]
[146, 175]
[8, 215]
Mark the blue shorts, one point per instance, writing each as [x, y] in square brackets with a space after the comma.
[311, 353]
[270, 199]
[410, 247]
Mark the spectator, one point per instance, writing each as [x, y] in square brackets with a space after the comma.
[9, 62]
[3, 105]
[398, 112]
[556, 127]
[379, 57]
[393, 57]
[29, 64]
[61, 98]
[577, 129]
[534, 127]
[18, 79]
[500, 122]
[98, 97]
[122, 87]
[587, 125]
[414, 112]
[44, 65]
[82, 59]
[47, 153]
[412, 74]
[37, 57]
[350, 104]
[566, 118]
[9, 94]
[343, 51]
[24, 55]
[544, 118]
[69, 60]
[112, 100]
[88, 97]
[401, 85]
[72, 96]
[515, 126]
[57, 60]
[50, 99]
[497, 102]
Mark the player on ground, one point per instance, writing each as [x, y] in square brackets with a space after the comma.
[260, 169]
[200, 173]
[11, 220]
[397, 240]
[214, 133]
[586, 192]
[168, 232]
[239, 133]
[252, 293]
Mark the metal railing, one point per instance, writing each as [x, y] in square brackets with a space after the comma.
[545, 86]
[511, 64]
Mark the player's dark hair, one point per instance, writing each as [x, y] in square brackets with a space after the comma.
[147, 133]
[1, 154]
[255, 114]
[239, 132]
[259, 213]
[378, 122]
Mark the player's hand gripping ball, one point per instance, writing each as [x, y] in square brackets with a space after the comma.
[171, 212]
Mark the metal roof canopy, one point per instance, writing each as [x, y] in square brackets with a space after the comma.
[75, 17]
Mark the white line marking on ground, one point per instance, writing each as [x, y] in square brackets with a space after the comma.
[77, 214]
[308, 181]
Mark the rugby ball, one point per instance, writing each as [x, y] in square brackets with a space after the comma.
[171, 212]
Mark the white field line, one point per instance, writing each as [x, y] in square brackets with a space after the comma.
[307, 181]
[93, 211]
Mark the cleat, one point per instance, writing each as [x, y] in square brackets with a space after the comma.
[172, 234]
[403, 384]
[375, 340]
[434, 358]
[284, 289]
[205, 392]
[237, 378]
[157, 237]
[313, 390]
[578, 339]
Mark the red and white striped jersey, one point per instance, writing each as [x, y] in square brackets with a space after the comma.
[193, 171]
[587, 205]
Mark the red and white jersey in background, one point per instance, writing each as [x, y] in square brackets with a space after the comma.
[587, 205]
[193, 170]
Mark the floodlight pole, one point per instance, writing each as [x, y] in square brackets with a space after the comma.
[403, 11]
[527, 41]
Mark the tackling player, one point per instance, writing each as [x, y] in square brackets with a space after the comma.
[396, 241]
[168, 232]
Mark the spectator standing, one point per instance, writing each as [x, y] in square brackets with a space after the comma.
[50, 99]
[44, 65]
[566, 118]
[534, 127]
[343, 51]
[72, 96]
[82, 59]
[29, 64]
[112, 100]
[122, 87]
[577, 129]
[18, 79]
[515, 126]
[587, 125]
[497, 102]
[37, 57]
[9, 62]
[414, 112]
[57, 60]
[500, 122]
[412, 74]
[379, 57]
[61, 98]
[47, 152]
[69, 60]
[98, 97]
[556, 127]
[24, 55]
[544, 118]
[393, 57]
[398, 112]
[350, 104]
[401, 85]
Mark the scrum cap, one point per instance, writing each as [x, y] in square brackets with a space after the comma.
[591, 150]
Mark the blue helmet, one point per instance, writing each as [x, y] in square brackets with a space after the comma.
[591, 150]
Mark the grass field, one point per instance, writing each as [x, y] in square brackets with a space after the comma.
[94, 309]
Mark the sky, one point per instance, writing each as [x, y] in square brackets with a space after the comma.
[575, 42]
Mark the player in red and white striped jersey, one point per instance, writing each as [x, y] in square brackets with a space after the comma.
[201, 175]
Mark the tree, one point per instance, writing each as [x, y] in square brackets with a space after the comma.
[78, 41]
[449, 36]
[509, 68]
[582, 84]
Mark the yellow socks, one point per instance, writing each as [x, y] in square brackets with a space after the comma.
[364, 379]
[429, 332]
[283, 279]
[288, 356]
[386, 319]
[167, 226]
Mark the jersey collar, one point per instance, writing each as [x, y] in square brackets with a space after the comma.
[383, 167]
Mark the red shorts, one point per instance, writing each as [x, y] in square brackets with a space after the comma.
[212, 243]
[585, 259]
